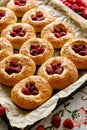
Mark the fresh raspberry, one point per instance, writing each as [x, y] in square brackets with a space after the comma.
[40, 127]
[56, 121]
[68, 123]
[2, 110]
[84, 15]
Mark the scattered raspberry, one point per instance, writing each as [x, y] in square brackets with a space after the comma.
[40, 127]
[55, 121]
[68, 123]
[2, 110]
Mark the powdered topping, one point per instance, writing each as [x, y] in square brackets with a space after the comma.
[13, 67]
[55, 68]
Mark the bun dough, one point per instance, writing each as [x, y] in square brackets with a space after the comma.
[37, 49]
[57, 33]
[6, 48]
[59, 72]
[7, 17]
[18, 33]
[77, 52]
[15, 68]
[21, 7]
[31, 92]
[38, 18]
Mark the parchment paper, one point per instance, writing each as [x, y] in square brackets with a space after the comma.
[21, 118]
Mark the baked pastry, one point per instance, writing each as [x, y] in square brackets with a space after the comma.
[18, 33]
[6, 48]
[15, 68]
[31, 92]
[77, 52]
[37, 49]
[7, 17]
[38, 18]
[57, 33]
[59, 72]
[21, 6]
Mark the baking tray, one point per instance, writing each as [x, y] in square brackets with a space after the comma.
[17, 118]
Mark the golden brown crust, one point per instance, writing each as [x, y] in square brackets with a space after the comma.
[28, 68]
[38, 25]
[20, 10]
[59, 81]
[8, 19]
[47, 33]
[41, 58]
[31, 101]
[17, 41]
[6, 48]
[66, 51]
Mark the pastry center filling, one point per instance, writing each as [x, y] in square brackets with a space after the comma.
[30, 89]
[36, 49]
[55, 68]
[13, 67]
[2, 14]
[80, 49]
[38, 16]
[59, 32]
[20, 2]
[17, 31]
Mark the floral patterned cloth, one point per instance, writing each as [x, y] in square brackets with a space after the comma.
[74, 108]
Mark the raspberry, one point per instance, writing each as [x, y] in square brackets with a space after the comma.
[84, 15]
[40, 127]
[56, 121]
[68, 123]
[2, 110]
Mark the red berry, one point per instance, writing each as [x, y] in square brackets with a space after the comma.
[2, 110]
[68, 123]
[40, 127]
[84, 15]
[55, 121]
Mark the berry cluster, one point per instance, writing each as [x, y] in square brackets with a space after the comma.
[17, 31]
[55, 68]
[38, 16]
[79, 6]
[80, 49]
[13, 67]
[36, 49]
[20, 2]
[59, 32]
[30, 89]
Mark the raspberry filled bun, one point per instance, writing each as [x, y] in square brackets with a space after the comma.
[37, 49]
[59, 72]
[15, 68]
[57, 33]
[31, 92]
[77, 52]
[21, 6]
[38, 18]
